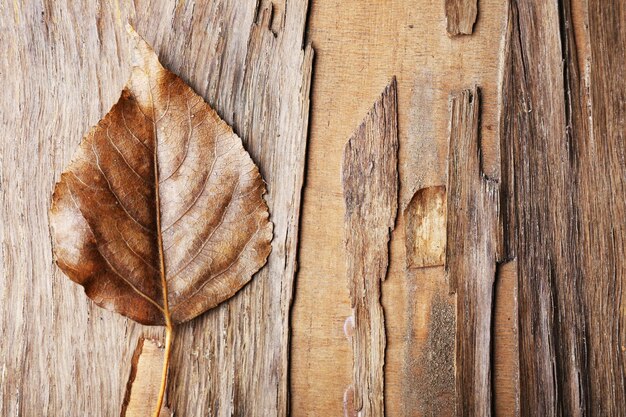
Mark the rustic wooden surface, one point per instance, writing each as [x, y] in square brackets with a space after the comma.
[370, 192]
[551, 79]
[461, 16]
[358, 47]
[563, 186]
[425, 228]
[64, 65]
[505, 342]
[144, 382]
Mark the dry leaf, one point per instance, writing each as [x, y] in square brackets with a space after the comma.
[160, 212]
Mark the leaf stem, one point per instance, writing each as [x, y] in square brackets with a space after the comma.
[166, 309]
[166, 363]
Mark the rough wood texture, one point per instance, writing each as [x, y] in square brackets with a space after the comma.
[370, 180]
[64, 64]
[471, 254]
[461, 16]
[427, 371]
[425, 228]
[562, 128]
[358, 45]
[505, 342]
[144, 382]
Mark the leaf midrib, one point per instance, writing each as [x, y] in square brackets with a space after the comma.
[166, 310]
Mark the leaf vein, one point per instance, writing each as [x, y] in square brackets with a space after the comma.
[115, 195]
[137, 290]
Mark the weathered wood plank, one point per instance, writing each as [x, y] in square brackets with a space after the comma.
[602, 187]
[561, 129]
[64, 64]
[539, 214]
[370, 180]
[505, 342]
[471, 254]
[427, 372]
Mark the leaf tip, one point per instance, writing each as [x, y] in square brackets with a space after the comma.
[130, 29]
[142, 54]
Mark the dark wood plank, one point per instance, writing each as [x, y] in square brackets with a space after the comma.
[602, 188]
[562, 125]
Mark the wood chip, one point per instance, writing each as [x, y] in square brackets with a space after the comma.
[461, 16]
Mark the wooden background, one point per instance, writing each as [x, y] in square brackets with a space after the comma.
[280, 347]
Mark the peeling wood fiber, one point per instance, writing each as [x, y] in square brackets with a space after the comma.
[64, 64]
[471, 254]
[370, 183]
[461, 16]
[562, 142]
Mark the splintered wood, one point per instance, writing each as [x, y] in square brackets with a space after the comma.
[461, 16]
[552, 101]
[471, 254]
[370, 183]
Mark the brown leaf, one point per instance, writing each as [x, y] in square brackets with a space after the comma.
[160, 203]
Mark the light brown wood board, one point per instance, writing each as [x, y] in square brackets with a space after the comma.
[359, 47]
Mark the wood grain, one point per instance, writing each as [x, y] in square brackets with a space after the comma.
[561, 130]
[559, 119]
[64, 65]
[427, 371]
[471, 254]
[461, 16]
[505, 342]
[602, 187]
[370, 181]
